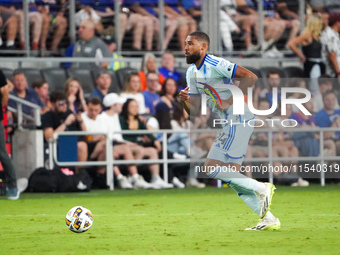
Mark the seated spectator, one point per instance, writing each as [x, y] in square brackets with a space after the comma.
[90, 46]
[53, 16]
[168, 70]
[132, 89]
[329, 116]
[273, 81]
[149, 9]
[151, 97]
[193, 8]
[186, 24]
[111, 125]
[330, 40]
[86, 12]
[35, 20]
[311, 48]
[75, 96]
[169, 92]
[149, 65]
[129, 120]
[296, 83]
[325, 84]
[60, 119]
[96, 143]
[41, 87]
[22, 91]
[9, 21]
[103, 82]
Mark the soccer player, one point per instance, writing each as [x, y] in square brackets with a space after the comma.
[227, 152]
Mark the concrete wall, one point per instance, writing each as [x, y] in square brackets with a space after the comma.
[27, 151]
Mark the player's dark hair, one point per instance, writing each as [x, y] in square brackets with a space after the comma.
[201, 36]
[95, 100]
[57, 96]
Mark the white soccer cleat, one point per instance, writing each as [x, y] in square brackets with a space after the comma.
[265, 224]
[123, 183]
[158, 183]
[266, 199]
[140, 183]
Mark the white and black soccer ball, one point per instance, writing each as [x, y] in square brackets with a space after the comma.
[79, 219]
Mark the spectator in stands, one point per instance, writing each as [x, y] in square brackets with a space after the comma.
[232, 21]
[296, 83]
[110, 124]
[117, 62]
[273, 81]
[60, 119]
[10, 177]
[168, 70]
[149, 64]
[103, 82]
[311, 47]
[86, 12]
[132, 89]
[53, 15]
[35, 21]
[22, 91]
[129, 120]
[193, 8]
[8, 21]
[169, 92]
[75, 96]
[41, 87]
[331, 46]
[148, 8]
[151, 97]
[329, 116]
[90, 46]
[96, 143]
[186, 24]
[325, 84]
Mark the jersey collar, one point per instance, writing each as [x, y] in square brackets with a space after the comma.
[198, 68]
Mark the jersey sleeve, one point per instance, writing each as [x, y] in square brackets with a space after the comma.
[193, 91]
[226, 69]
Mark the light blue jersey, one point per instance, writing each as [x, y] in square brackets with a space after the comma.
[212, 71]
[231, 144]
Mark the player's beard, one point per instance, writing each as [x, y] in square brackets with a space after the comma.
[193, 58]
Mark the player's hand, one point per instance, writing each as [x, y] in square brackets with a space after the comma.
[184, 94]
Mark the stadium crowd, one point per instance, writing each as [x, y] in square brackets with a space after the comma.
[146, 99]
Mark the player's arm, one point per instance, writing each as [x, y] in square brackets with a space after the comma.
[190, 104]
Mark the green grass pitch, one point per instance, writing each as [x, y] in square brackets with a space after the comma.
[188, 221]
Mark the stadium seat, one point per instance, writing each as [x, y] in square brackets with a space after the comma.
[32, 74]
[114, 88]
[55, 77]
[85, 77]
[293, 71]
[8, 73]
[121, 73]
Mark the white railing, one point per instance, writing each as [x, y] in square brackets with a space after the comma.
[165, 161]
[35, 117]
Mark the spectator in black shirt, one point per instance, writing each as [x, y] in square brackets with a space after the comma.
[59, 119]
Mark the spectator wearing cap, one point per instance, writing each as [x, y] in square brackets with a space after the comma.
[111, 44]
[90, 46]
[103, 82]
[330, 40]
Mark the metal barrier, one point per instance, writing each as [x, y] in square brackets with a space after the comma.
[36, 118]
[165, 161]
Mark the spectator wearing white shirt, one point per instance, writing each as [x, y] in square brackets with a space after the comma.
[330, 39]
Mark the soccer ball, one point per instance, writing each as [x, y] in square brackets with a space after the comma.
[79, 219]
